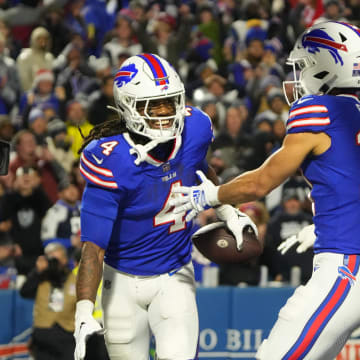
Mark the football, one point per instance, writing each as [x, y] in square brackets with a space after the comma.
[218, 244]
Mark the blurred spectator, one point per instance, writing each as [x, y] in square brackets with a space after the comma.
[333, 10]
[6, 252]
[52, 284]
[276, 103]
[166, 40]
[197, 75]
[76, 119]
[7, 246]
[9, 80]
[59, 32]
[102, 69]
[28, 154]
[12, 45]
[215, 89]
[29, 12]
[303, 15]
[221, 160]
[211, 28]
[34, 58]
[50, 110]
[287, 221]
[209, 108]
[41, 93]
[75, 75]
[61, 223]
[99, 20]
[252, 16]
[233, 130]
[25, 207]
[76, 177]
[74, 19]
[122, 40]
[59, 145]
[7, 130]
[297, 184]
[38, 125]
[98, 110]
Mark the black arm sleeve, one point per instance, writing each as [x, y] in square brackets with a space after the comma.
[29, 288]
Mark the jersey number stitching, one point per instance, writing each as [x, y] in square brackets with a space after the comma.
[108, 147]
[166, 214]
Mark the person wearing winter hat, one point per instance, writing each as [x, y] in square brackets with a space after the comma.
[30, 60]
[42, 92]
[45, 76]
[38, 125]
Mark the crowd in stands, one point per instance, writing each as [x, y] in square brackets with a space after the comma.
[57, 62]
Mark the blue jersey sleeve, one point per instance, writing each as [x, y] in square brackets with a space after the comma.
[96, 167]
[200, 134]
[96, 229]
[308, 114]
[99, 211]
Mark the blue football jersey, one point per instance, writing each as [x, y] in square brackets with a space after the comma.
[146, 238]
[335, 174]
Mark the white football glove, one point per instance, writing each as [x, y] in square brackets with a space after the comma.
[235, 221]
[196, 198]
[305, 237]
[85, 325]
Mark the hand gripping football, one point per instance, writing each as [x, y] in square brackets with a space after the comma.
[218, 244]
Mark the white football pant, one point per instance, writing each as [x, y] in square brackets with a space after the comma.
[135, 306]
[319, 317]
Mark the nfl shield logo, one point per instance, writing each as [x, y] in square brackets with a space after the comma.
[356, 69]
[166, 167]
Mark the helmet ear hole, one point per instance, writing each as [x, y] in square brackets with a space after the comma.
[321, 74]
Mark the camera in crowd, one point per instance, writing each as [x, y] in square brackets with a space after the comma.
[55, 272]
[4, 157]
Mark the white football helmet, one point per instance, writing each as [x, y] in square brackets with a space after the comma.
[142, 81]
[325, 56]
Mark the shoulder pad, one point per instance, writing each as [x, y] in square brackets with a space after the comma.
[308, 112]
[96, 163]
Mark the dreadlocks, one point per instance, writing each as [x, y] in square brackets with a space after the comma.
[105, 129]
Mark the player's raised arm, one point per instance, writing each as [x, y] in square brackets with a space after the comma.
[275, 170]
[253, 184]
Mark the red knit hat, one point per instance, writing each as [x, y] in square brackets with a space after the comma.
[43, 74]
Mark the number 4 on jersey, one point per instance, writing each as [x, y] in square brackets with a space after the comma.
[166, 215]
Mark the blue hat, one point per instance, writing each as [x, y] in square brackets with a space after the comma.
[255, 33]
[34, 114]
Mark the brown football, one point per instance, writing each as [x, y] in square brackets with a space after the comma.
[218, 244]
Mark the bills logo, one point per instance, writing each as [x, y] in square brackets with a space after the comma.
[125, 75]
[345, 273]
[318, 39]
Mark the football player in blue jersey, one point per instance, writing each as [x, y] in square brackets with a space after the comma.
[323, 138]
[131, 236]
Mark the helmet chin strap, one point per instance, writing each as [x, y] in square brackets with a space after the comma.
[141, 151]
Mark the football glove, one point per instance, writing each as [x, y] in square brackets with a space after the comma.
[85, 325]
[235, 221]
[305, 237]
[196, 198]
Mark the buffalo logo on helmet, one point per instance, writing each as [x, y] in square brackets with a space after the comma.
[125, 75]
[318, 39]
